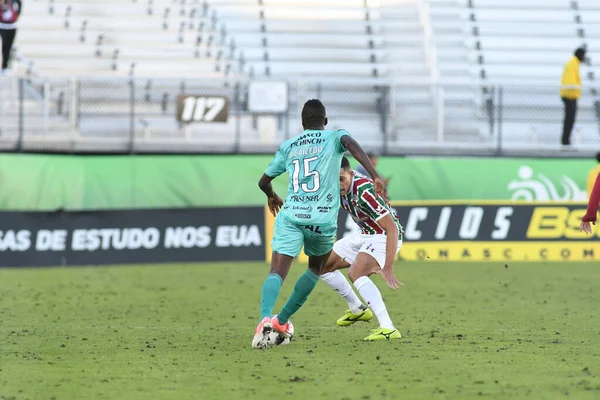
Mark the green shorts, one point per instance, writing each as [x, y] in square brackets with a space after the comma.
[288, 238]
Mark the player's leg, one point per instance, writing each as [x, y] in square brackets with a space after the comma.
[286, 244]
[342, 256]
[369, 261]
[304, 286]
[280, 266]
[318, 243]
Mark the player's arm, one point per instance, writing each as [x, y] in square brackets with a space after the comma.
[359, 154]
[391, 243]
[391, 249]
[273, 201]
[265, 185]
[592, 209]
[275, 168]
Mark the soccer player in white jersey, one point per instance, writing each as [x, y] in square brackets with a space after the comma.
[372, 251]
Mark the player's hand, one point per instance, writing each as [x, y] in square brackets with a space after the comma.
[274, 202]
[388, 276]
[586, 227]
[380, 188]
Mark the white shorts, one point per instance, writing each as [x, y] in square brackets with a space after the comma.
[374, 245]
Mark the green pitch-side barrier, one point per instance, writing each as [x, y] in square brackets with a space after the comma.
[50, 182]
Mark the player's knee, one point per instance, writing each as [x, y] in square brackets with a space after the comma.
[279, 271]
[280, 265]
[352, 275]
[360, 270]
[355, 272]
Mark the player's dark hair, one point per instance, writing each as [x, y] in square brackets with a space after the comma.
[346, 164]
[598, 157]
[313, 114]
[580, 53]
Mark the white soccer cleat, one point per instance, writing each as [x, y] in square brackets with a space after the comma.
[261, 334]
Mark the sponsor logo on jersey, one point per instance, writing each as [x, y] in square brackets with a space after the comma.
[330, 197]
[304, 199]
[324, 209]
[302, 216]
[309, 138]
[307, 208]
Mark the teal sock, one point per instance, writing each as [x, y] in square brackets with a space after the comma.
[270, 291]
[305, 284]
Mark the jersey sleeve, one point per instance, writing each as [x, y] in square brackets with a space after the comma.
[594, 202]
[339, 133]
[277, 165]
[371, 204]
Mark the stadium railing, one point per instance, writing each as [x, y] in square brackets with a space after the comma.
[88, 114]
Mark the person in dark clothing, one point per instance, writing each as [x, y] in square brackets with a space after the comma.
[10, 10]
[570, 91]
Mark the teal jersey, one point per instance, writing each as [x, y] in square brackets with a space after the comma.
[313, 161]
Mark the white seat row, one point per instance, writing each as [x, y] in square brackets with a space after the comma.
[316, 14]
[292, 3]
[283, 26]
[519, 4]
[531, 16]
[550, 72]
[291, 69]
[309, 54]
[530, 43]
[314, 40]
[533, 58]
[521, 29]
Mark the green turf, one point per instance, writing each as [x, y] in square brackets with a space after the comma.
[470, 331]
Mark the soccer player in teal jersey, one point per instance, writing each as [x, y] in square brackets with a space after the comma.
[309, 215]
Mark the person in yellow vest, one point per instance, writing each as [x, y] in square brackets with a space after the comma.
[570, 95]
[592, 175]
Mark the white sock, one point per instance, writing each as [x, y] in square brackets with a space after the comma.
[338, 282]
[372, 296]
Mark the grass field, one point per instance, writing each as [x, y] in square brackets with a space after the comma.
[471, 331]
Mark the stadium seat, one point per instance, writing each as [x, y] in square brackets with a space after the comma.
[111, 33]
[518, 5]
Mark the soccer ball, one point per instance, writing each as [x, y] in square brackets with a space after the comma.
[275, 339]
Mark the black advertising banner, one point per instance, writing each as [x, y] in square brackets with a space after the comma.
[487, 222]
[131, 236]
[492, 231]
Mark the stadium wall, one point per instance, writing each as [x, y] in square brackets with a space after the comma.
[73, 210]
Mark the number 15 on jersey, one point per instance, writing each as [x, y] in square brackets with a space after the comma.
[310, 178]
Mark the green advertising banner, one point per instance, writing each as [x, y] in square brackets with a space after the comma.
[51, 182]
[444, 178]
